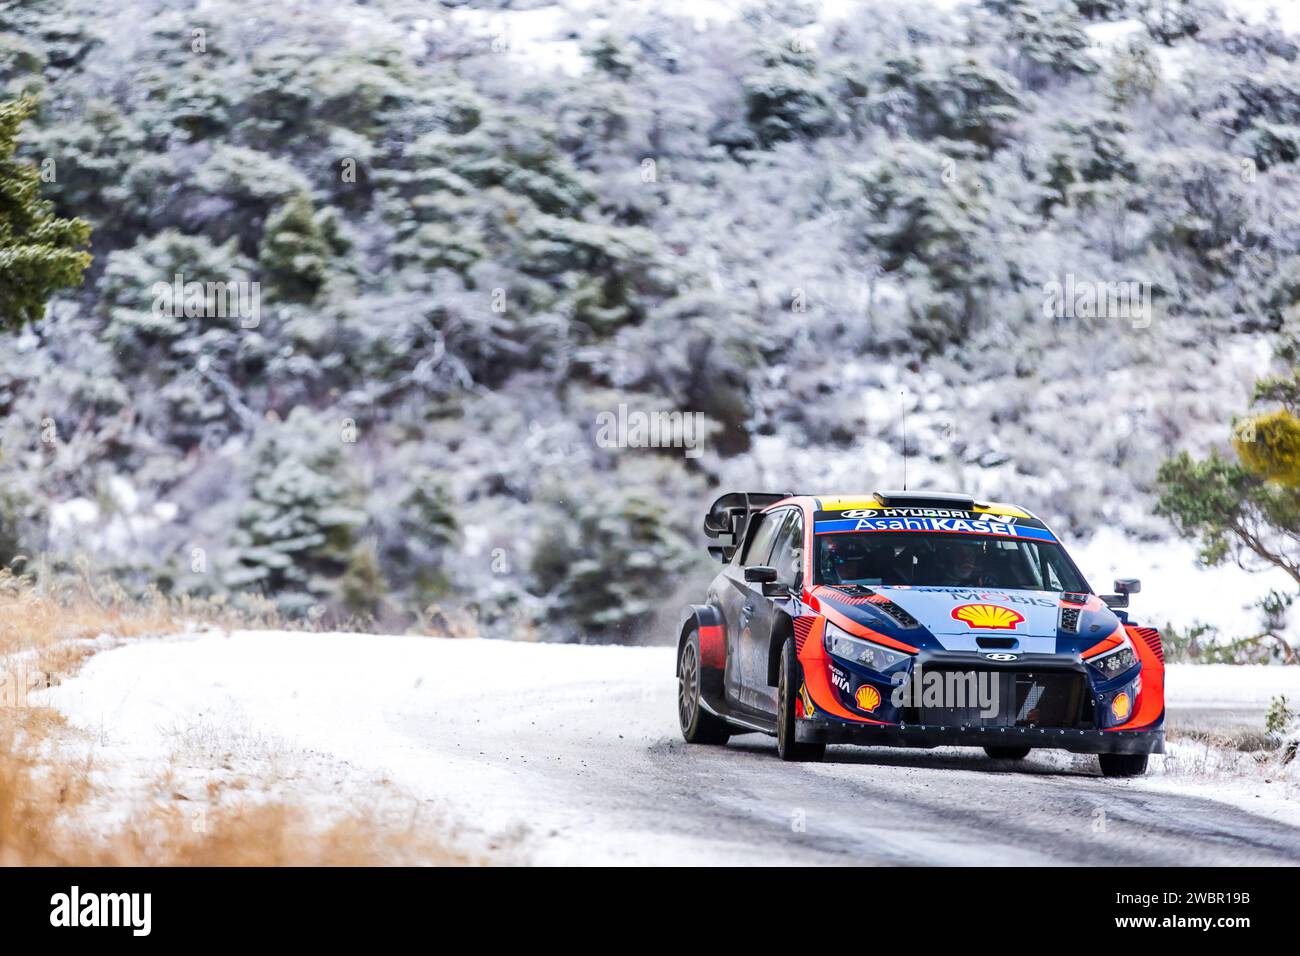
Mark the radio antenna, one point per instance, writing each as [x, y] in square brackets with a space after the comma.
[902, 405]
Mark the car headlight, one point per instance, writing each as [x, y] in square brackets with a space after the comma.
[1115, 662]
[840, 643]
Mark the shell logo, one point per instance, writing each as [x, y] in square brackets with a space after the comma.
[867, 697]
[1121, 706]
[993, 617]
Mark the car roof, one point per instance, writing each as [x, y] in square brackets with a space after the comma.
[875, 500]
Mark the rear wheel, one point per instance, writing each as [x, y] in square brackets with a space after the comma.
[1007, 753]
[787, 692]
[1122, 765]
[698, 725]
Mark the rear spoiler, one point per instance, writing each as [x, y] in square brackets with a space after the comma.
[729, 516]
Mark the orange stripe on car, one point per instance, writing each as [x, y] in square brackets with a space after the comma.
[1111, 642]
[1151, 699]
[815, 678]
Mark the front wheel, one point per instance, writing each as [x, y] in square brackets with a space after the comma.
[698, 725]
[787, 691]
[1122, 765]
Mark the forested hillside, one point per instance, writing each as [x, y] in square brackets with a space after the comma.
[471, 238]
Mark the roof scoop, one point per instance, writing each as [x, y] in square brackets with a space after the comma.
[924, 499]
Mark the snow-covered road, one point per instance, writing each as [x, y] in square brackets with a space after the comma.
[571, 754]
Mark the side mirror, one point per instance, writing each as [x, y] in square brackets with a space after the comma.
[760, 574]
[1123, 588]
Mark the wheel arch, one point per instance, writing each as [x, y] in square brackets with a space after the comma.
[708, 621]
[697, 616]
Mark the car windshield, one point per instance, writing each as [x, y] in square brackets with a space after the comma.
[944, 560]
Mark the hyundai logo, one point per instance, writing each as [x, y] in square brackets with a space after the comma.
[1002, 657]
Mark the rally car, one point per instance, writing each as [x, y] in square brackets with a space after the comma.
[915, 620]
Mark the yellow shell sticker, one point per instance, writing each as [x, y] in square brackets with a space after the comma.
[867, 697]
[808, 709]
[1121, 706]
[993, 617]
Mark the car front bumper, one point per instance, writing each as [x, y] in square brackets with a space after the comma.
[1088, 741]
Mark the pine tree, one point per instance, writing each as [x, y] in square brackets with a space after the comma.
[362, 589]
[296, 535]
[39, 253]
[786, 99]
[605, 561]
[422, 535]
[295, 253]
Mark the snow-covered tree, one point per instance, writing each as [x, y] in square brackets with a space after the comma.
[297, 533]
[605, 560]
[794, 223]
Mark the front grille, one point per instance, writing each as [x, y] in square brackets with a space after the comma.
[1024, 699]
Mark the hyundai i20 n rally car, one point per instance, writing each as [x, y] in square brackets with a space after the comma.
[914, 620]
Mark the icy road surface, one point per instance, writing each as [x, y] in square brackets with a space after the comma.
[571, 754]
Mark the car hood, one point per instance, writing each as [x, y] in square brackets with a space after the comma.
[979, 619]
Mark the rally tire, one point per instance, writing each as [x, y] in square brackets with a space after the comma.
[1007, 753]
[698, 725]
[1122, 765]
[788, 683]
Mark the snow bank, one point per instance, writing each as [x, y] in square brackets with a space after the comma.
[1229, 687]
[1174, 588]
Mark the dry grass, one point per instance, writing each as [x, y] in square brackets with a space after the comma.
[45, 634]
[273, 834]
[48, 628]
[35, 794]
[1241, 739]
[36, 614]
[47, 631]
[39, 619]
[39, 797]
